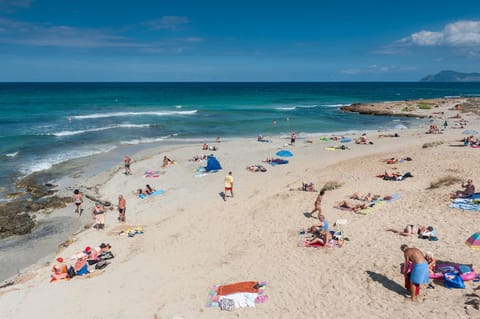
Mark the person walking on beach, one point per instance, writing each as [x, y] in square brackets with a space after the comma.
[293, 138]
[127, 161]
[122, 207]
[228, 185]
[419, 273]
[317, 205]
[78, 200]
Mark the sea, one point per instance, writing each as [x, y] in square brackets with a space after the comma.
[48, 125]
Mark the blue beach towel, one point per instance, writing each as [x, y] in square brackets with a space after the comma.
[470, 203]
[346, 140]
[284, 153]
[157, 192]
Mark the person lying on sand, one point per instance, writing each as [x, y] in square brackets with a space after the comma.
[345, 205]
[166, 161]
[395, 176]
[469, 190]
[389, 135]
[256, 168]
[305, 188]
[323, 238]
[411, 229]
[394, 160]
[369, 197]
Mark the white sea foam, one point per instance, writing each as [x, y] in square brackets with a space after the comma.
[290, 108]
[307, 106]
[67, 133]
[119, 114]
[400, 127]
[145, 140]
[178, 106]
[46, 163]
[11, 154]
[335, 105]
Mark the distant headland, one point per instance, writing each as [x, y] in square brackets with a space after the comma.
[452, 76]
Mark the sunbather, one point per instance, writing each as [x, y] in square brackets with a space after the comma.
[412, 229]
[323, 238]
[395, 176]
[305, 188]
[369, 197]
[59, 270]
[345, 205]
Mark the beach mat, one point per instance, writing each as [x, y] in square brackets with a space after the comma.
[157, 192]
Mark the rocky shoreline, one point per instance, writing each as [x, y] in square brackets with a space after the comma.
[32, 196]
[413, 108]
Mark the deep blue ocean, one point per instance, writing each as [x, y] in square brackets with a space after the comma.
[42, 124]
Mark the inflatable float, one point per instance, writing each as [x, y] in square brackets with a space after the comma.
[465, 271]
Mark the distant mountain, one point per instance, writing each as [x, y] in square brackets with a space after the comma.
[452, 76]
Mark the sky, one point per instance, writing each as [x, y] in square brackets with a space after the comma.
[230, 40]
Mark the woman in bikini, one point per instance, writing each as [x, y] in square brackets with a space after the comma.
[77, 199]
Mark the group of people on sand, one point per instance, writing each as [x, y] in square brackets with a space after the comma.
[88, 257]
[205, 147]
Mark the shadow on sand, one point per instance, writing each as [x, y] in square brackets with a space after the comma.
[387, 282]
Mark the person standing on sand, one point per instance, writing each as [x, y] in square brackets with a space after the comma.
[228, 185]
[122, 207]
[293, 138]
[127, 161]
[317, 205]
[78, 200]
[98, 214]
[419, 273]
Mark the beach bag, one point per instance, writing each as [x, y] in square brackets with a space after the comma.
[101, 264]
[71, 272]
[338, 235]
[226, 304]
[453, 280]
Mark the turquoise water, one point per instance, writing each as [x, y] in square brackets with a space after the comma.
[42, 124]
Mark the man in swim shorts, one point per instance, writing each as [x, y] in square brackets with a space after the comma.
[127, 161]
[419, 273]
[122, 207]
[228, 185]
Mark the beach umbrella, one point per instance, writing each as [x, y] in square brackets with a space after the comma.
[474, 241]
[470, 132]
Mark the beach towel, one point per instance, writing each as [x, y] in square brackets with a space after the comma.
[345, 140]
[284, 153]
[157, 192]
[243, 298]
[153, 173]
[246, 286]
[277, 161]
[419, 274]
[470, 203]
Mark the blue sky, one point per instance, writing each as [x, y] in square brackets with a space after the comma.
[229, 40]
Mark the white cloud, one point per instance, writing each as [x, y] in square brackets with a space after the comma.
[13, 4]
[16, 32]
[167, 23]
[377, 69]
[458, 34]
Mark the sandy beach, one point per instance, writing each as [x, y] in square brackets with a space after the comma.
[193, 239]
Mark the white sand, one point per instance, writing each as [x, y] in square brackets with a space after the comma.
[193, 239]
